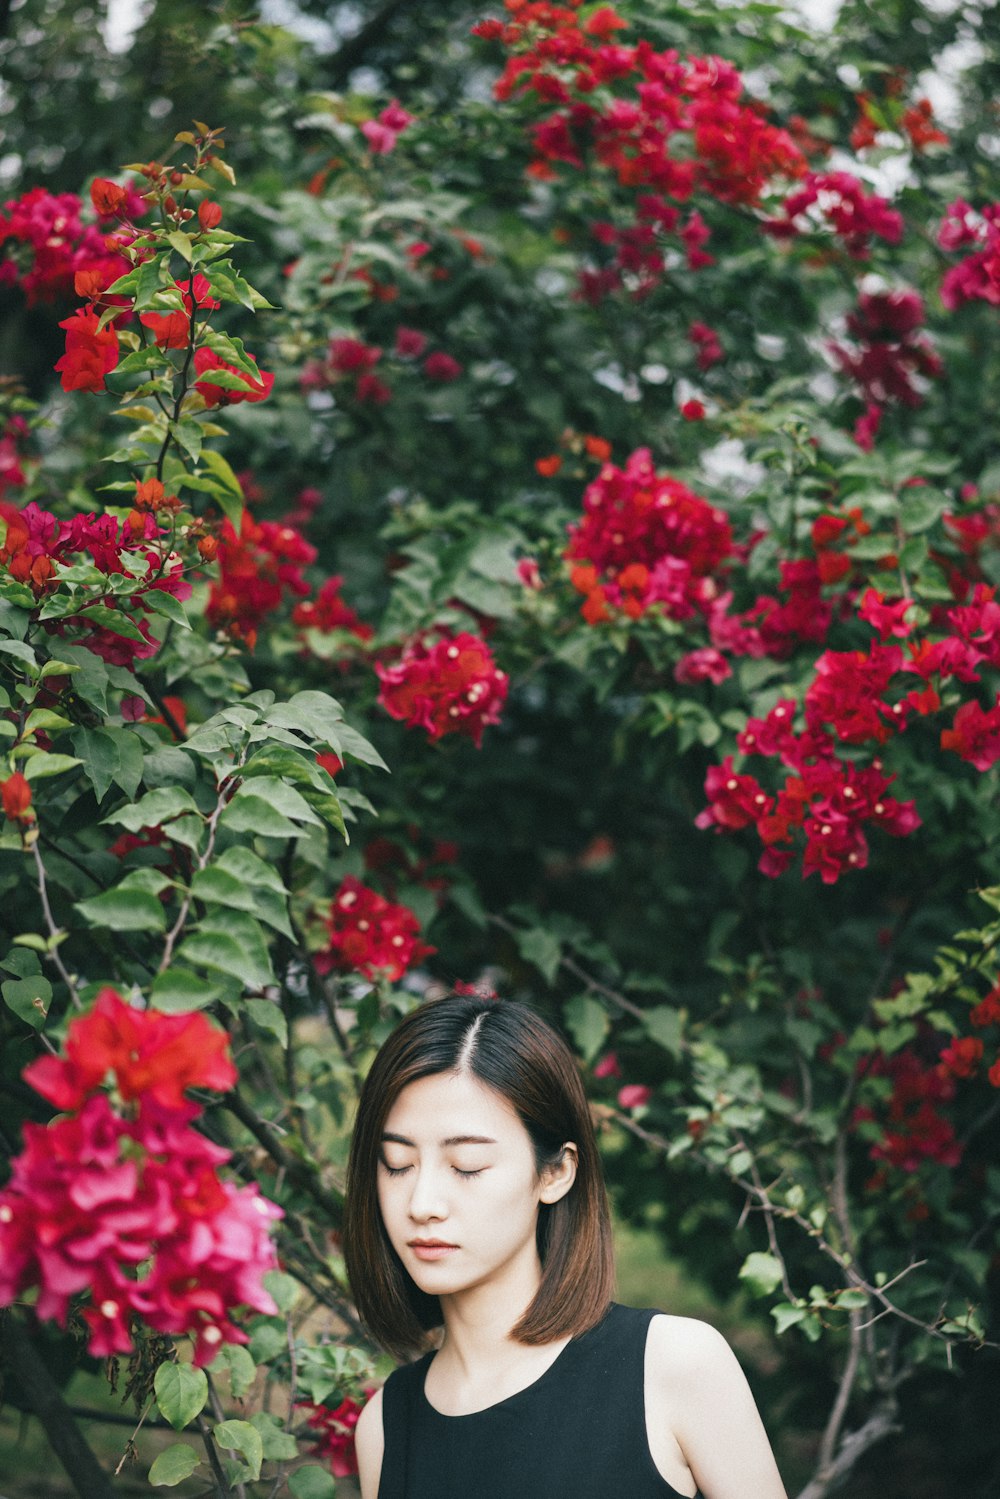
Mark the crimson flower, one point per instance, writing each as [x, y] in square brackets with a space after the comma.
[370, 935]
[16, 796]
[448, 685]
[91, 351]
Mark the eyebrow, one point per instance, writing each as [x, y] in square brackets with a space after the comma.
[388, 1137]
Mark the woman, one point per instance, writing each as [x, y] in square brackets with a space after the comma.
[475, 1203]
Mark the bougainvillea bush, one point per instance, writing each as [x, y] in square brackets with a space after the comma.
[588, 421]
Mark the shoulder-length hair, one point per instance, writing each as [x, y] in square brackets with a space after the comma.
[508, 1047]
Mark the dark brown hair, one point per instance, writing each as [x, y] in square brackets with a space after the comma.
[511, 1049]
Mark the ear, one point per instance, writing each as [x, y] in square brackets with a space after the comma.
[557, 1179]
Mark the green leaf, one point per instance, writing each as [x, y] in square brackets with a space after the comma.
[268, 1016]
[283, 798]
[762, 1272]
[284, 1288]
[153, 809]
[665, 1026]
[541, 948]
[115, 620]
[219, 886]
[233, 944]
[241, 1367]
[786, 1315]
[279, 1446]
[178, 990]
[311, 1482]
[174, 1464]
[21, 652]
[241, 1437]
[247, 813]
[162, 602]
[588, 1024]
[29, 998]
[230, 492]
[110, 756]
[181, 242]
[181, 1392]
[40, 767]
[132, 906]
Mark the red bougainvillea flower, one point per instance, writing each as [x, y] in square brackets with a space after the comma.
[645, 539]
[634, 1096]
[383, 132]
[149, 1055]
[442, 367]
[987, 1011]
[975, 735]
[370, 935]
[608, 1065]
[447, 685]
[962, 1057]
[91, 351]
[335, 1428]
[249, 388]
[410, 343]
[328, 611]
[126, 1205]
[16, 795]
[256, 571]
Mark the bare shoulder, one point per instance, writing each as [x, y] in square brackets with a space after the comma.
[695, 1382]
[369, 1441]
[685, 1348]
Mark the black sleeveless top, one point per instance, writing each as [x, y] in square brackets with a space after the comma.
[578, 1432]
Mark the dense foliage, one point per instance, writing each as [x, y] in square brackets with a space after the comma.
[584, 413]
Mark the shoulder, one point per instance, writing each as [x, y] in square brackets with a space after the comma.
[694, 1383]
[684, 1347]
[369, 1440]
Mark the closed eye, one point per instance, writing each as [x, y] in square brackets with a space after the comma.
[402, 1170]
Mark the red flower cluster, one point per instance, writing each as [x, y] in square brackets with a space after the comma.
[122, 1199]
[336, 1432]
[839, 201]
[56, 246]
[916, 123]
[646, 540]
[665, 127]
[36, 541]
[857, 698]
[446, 684]
[916, 1131]
[256, 570]
[977, 277]
[352, 359]
[888, 352]
[328, 611]
[370, 935]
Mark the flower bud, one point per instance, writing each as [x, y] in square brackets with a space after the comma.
[209, 215]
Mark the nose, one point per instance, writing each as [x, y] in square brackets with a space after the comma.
[427, 1198]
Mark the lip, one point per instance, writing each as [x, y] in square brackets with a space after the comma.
[431, 1249]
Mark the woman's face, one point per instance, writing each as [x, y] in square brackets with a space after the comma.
[458, 1188]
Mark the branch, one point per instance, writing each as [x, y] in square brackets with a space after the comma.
[881, 1424]
[42, 1395]
[54, 930]
[302, 1173]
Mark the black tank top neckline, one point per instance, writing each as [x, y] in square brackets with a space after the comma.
[428, 1358]
[576, 1432]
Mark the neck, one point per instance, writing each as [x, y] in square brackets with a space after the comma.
[478, 1321]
